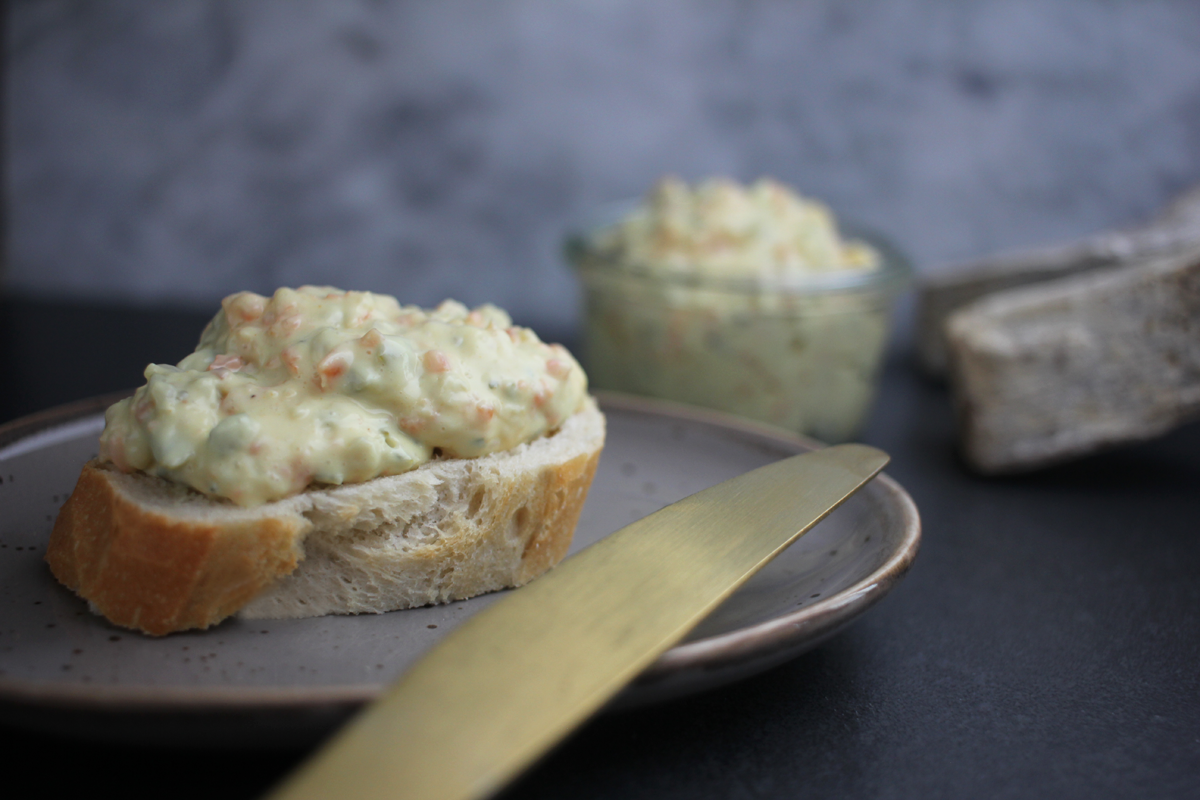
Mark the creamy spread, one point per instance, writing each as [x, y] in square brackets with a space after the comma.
[721, 229]
[720, 296]
[318, 385]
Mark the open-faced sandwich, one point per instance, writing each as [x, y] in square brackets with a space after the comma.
[326, 452]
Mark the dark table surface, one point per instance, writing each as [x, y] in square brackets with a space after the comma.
[1045, 644]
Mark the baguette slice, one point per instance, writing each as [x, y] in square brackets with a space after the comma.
[152, 555]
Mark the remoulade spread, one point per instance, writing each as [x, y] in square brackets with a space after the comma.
[320, 385]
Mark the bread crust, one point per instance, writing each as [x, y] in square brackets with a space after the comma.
[156, 557]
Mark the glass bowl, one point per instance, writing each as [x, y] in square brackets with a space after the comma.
[802, 353]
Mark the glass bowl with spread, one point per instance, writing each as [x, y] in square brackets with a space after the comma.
[744, 299]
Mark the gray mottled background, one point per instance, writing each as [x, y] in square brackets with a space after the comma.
[172, 151]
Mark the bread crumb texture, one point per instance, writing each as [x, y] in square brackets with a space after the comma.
[158, 557]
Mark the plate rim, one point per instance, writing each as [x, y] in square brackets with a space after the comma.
[750, 643]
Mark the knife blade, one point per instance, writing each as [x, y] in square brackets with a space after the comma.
[513, 680]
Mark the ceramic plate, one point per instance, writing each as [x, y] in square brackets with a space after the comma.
[278, 682]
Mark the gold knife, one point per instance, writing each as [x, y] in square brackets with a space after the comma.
[513, 680]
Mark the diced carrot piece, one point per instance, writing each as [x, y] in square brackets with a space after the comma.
[436, 361]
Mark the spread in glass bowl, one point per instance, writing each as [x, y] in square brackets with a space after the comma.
[746, 299]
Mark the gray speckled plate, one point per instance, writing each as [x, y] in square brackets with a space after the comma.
[278, 682]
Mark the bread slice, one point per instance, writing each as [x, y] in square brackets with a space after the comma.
[152, 555]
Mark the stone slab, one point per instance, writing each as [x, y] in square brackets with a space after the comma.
[1175, 230]
[1049, 372]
